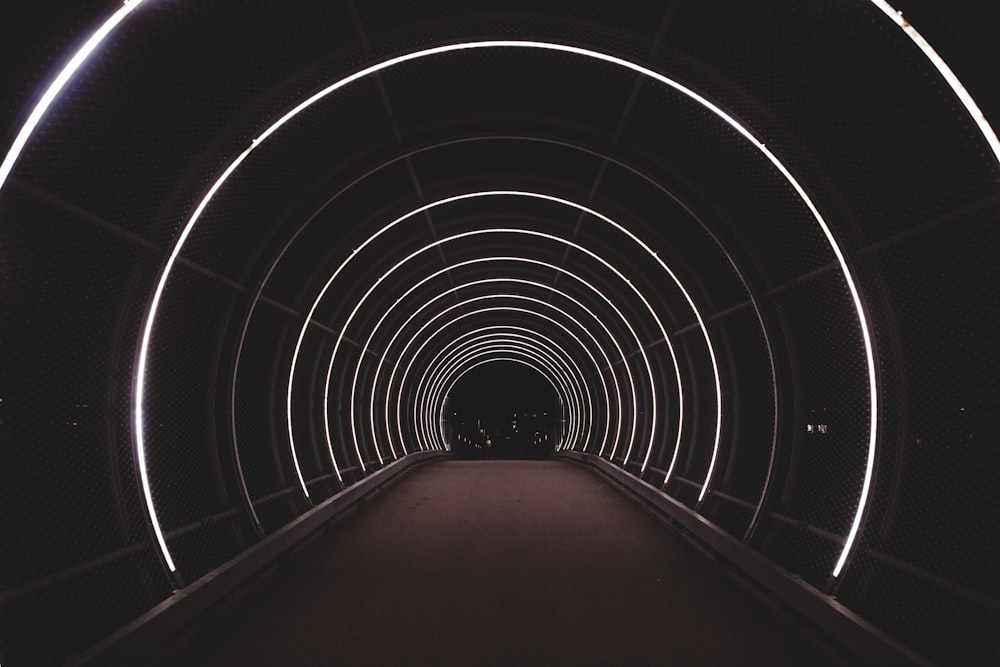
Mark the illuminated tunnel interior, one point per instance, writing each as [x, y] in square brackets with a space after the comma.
[737, 259]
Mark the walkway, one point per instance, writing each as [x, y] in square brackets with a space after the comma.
[500, 563]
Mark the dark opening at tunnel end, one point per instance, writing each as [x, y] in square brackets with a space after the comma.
[502, 410]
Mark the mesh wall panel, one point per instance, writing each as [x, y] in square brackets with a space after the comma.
[835, 90]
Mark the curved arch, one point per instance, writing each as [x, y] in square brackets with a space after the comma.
[603, 156]
[515, 281]
[578, 325]
[512, 259]
[574, 384]
[505, 327]
[434, 403]
[571, 244]
[721, 114]
[491, 309]
[491, 361]
[573, 373]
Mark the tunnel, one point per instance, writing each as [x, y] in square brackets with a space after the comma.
[733, 265]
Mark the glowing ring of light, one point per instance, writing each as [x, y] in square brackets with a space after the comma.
[575, 322]
[567, 376]
[492, 309]
[555, 346]
[531, 195]
[402, 327]
[433, 402]
[553, 267]
[435, 388]
[559, 201]
[476, 360]
[573, 384]
[607, 332]
[506, 328]
[691, 94]
[597, 367]
[81, 55]
[437, 401]
[579, 305]
[542, 286]
[492, 360]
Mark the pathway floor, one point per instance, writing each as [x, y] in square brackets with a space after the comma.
[500, 563]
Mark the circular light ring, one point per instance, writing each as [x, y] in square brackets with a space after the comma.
[591, 412]
[601, 324]
[78, 59]
[434, 380]
[471, 262]
[436, 274]
[138, 393]
[480, 261]
[46, 101]
[579, 342]
[549, 288]
[530, 335]
[481, 311]
[534, 195]
[574, 374]
[437, 401]
[437, 386]
[461, 372]
[563, 144]
[577, 426]
[492, 360]
[556, 239]
[435, 411]
[571, 383]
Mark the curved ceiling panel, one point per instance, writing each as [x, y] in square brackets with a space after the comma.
[248, 252]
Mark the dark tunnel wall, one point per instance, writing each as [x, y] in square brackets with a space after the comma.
[633, 207]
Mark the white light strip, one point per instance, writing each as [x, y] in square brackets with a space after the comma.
[542, 286]
[481, 311]
[441, 365]
[952, 79]
[493, 360]
[375, 329]
[446, 390]
[462, 265]
[563, 373]
[437, 385]
[562, 367]
[574, 374]
[512, 193]
[593, 316]
[527, 335]
[438, 400]
[43, 104]
[575, 431]
[717, 111]
[20, 141]
[427, 395]
[991, 139]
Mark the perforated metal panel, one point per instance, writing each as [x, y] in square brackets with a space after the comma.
[838, 95]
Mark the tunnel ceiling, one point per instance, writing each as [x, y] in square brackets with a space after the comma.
[248, 249]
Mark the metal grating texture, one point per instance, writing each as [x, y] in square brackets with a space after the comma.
[842, 97]
[76, 551]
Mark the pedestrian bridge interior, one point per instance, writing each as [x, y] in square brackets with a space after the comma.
[500, 332]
